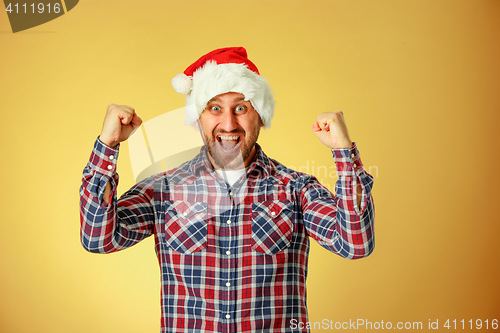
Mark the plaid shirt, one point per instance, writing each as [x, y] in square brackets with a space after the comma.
[232, 258]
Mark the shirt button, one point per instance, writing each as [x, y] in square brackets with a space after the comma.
[228, 252]
[354, 165]
[110, 167]
[273, 213]
[230, 193]
[352, 155]
[228, 316]
[111, 157]
[228, 222]
[228, 284]
[185, 214]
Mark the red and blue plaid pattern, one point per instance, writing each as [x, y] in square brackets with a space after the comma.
[232, 259]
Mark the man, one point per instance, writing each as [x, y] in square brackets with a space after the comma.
[231, 226]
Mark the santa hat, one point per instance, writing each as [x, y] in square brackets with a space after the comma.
[219, 72]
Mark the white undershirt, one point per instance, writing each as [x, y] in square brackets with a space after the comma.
[231, 176]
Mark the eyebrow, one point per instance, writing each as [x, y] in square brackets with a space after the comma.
[217, 99]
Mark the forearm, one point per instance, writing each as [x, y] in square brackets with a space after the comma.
[355, 215]
[97, 216]
[102, 228]
[107, 192]
[354, 182]
[359, 193]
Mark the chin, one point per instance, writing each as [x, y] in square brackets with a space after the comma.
[233, 159]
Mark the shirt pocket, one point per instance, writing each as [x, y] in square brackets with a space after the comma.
[272, 226]
[186, 227]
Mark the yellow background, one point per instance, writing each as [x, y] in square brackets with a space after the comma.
[416, 80]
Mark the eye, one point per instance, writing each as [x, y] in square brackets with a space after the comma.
[215, 108]
[240, 108]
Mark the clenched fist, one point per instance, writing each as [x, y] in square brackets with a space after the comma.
[120, 122]
[331, 130]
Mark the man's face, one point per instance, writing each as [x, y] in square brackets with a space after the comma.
[231, 127]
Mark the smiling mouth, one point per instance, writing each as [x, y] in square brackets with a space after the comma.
[229, 143]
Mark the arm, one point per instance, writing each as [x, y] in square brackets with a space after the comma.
[119, 124]
[108, 224]
[342, 223]
[339, 222]
[331, 130]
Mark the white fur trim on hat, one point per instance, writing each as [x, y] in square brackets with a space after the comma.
[212, 79]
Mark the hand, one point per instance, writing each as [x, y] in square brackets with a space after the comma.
[331, 130]
[119, 124]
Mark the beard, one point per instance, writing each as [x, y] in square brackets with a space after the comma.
[235, 158]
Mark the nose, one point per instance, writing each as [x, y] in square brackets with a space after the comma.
[228, 122]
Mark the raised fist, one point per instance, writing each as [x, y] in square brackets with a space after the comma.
[331, 130]
[120, 122]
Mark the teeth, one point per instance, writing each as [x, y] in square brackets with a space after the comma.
[228, 138]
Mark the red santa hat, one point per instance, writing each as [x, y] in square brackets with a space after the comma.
[219, 72]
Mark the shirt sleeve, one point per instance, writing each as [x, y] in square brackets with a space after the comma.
[122, 223]
[334, 220]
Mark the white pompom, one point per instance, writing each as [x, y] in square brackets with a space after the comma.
[182, 83]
